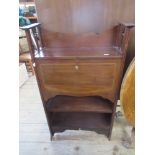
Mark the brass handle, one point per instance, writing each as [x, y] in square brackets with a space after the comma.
[76, 67]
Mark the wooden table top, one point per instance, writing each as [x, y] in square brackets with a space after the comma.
[81, 52]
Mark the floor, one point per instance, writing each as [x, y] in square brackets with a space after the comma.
[35, 137]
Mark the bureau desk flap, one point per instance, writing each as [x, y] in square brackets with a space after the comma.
[79, 77]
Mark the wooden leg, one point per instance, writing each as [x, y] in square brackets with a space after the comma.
[109, 136]
[129, 143]
[32, 69]
[33, 72]
[52, 134]
[133, 137]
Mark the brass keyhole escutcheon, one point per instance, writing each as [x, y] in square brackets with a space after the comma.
[76, 67]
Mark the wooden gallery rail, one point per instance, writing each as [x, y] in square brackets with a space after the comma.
[79, 84]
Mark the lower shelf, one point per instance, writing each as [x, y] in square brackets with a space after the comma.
[99, 122]
[63, 103]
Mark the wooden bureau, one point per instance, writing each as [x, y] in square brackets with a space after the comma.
[79, 86]
[78, 70]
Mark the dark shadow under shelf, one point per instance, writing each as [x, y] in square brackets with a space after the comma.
[79, 104]
[75, 120]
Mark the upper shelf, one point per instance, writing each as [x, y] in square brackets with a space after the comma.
[81, 52]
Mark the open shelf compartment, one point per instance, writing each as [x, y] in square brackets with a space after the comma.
[99, 122]
[95, 104]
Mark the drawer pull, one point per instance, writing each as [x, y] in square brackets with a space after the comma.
[76, 67]
[106, 54]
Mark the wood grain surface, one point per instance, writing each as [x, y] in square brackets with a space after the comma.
[127, 95]
[83, 54]
[80, 16]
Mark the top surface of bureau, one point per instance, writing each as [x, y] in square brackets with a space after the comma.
[80, 52]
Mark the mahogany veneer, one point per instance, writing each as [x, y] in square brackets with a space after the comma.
[79, 104]
[79, 60]
[82, 52]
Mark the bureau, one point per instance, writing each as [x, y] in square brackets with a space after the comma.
[79, 86]
[78, 70]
